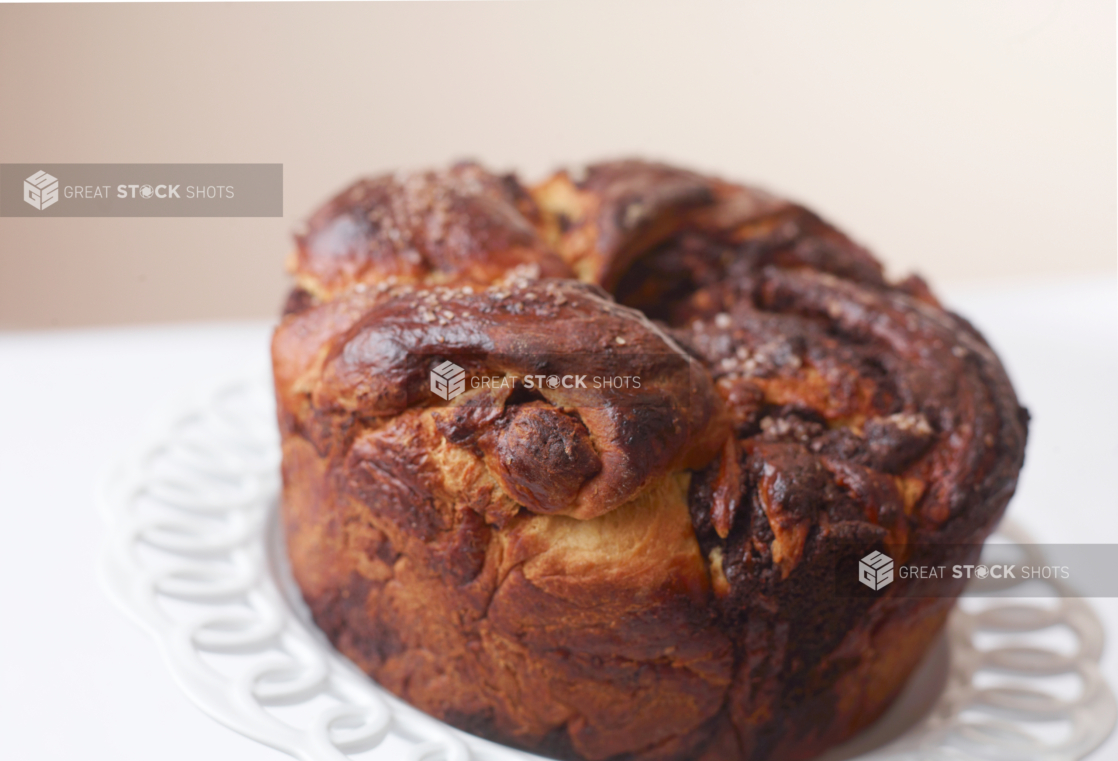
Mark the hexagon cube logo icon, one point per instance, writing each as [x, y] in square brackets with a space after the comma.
[40, 190]
[876, 570]
[448, 380]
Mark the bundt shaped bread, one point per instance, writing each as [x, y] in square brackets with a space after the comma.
[625, 573]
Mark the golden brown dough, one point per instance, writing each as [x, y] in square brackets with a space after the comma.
[641, 573]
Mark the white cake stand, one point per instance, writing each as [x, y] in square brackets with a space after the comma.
[194, 555]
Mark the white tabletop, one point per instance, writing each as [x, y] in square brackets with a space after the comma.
[80, 681]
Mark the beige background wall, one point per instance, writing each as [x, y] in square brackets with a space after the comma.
[969, 139]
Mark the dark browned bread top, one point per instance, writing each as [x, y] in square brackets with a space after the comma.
[856, 406]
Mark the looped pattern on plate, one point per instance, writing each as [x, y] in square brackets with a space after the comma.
[1003, 696]
[194, 554]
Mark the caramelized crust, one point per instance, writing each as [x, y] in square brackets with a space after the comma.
[635, 572]
[458, 226]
